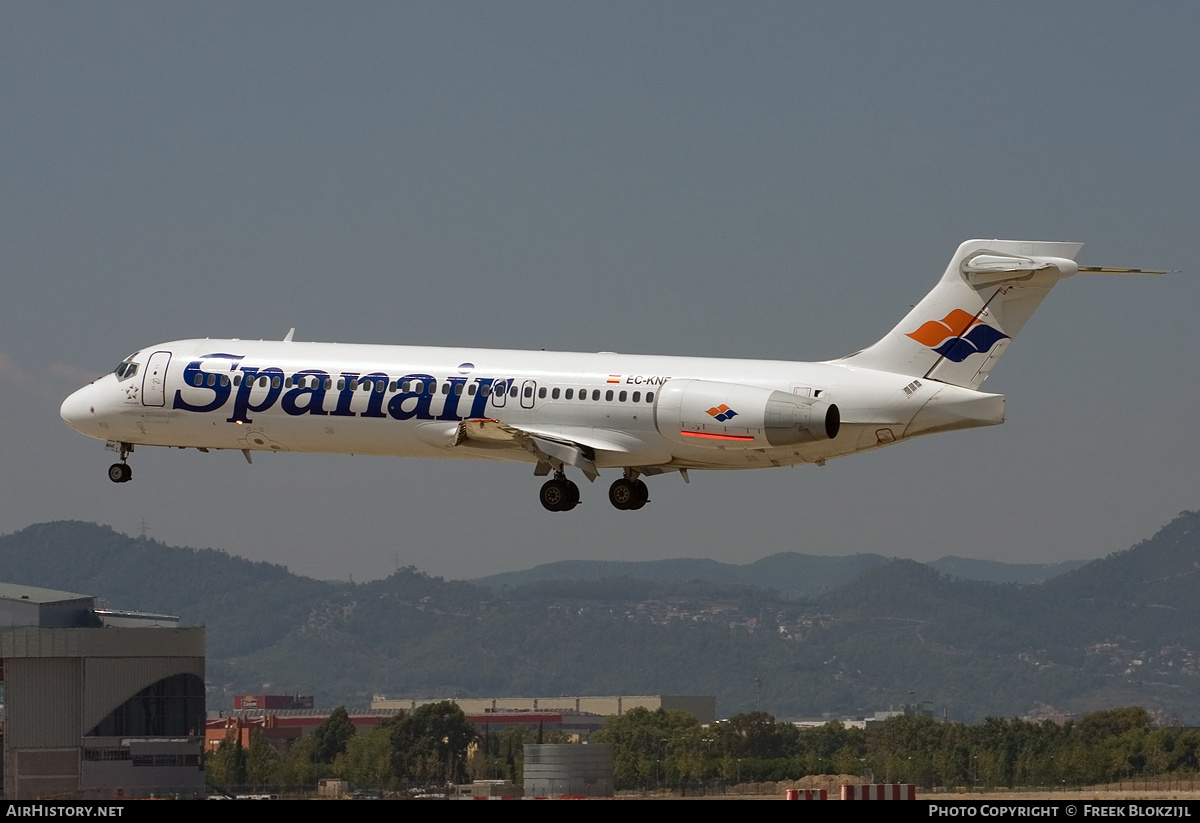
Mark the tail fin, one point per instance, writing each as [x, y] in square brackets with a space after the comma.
[958, 332]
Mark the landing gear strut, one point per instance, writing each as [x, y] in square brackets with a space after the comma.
[559, 494]
[629, 493]
[120, 472]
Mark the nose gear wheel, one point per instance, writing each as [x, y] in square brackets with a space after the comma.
[120, 472]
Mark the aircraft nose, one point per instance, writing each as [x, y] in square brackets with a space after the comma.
[79, 411]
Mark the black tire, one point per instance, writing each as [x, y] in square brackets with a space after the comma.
[119, 473]
[622, 494]
[555, 496]
[641, 495]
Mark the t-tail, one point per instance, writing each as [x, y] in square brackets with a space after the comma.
[990, 289]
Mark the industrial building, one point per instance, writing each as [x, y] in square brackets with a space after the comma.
[285, 718]
[566, 770]
[284, 727]
[97, 703]
[703, 708]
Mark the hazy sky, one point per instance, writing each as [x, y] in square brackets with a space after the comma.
[776, 180]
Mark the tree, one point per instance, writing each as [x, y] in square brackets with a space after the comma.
[261, 761]
[367, 760]
[227, 765]
[430, 742]
[1097, 726]
[650, 745]
[296, 767]
[756, 735]
[330, 738]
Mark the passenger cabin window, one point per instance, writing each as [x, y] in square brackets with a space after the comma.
[595, 394]
[621, 397]
[570, 395]
[542, 393]
[637, 396]
[608, 395]
[649, 397]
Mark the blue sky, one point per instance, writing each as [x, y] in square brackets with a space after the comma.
[774, 180]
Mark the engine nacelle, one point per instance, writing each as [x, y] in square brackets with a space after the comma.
[732, 416]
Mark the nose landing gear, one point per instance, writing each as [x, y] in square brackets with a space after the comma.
[121, 472]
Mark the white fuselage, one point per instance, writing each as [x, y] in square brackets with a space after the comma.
[644, 415]
[622, 410]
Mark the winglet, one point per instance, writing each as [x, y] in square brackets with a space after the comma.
[287, 338]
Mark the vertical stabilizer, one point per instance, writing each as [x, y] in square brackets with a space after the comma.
[962, 327]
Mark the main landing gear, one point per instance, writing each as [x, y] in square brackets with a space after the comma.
[628, 494]
[120, 472]
[559, 494]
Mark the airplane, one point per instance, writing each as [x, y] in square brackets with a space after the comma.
[640, 415]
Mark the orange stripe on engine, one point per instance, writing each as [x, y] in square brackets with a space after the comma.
[717, 436]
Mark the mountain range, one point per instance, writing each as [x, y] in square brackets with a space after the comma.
[793, 574]
[828, 636]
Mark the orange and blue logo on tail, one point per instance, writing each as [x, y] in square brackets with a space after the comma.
[957, 336]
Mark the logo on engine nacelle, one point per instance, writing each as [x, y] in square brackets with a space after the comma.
[722, 412]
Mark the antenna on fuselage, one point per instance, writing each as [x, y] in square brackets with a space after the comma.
[287, 338]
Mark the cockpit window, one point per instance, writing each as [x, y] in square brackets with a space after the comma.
[126, 369]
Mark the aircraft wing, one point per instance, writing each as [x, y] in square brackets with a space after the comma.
[569, 445]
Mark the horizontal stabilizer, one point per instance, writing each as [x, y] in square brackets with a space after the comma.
[1110, 270]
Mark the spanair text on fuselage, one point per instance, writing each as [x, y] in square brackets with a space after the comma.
[643, 415]
[399, 401]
